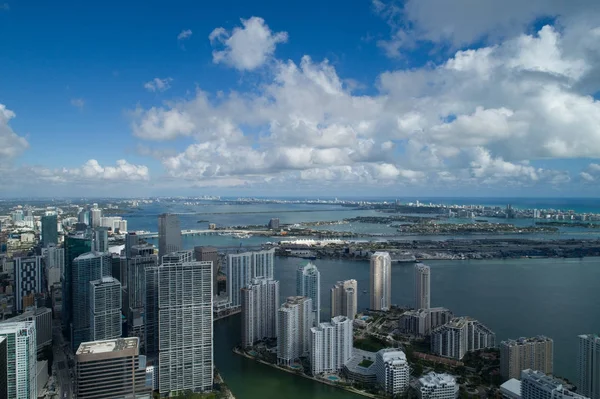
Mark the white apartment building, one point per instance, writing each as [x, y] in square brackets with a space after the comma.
[21, 355]
[459, 336]
[537, 385]
[392, 370]
[293, 338]
[422, 321]
[308, 284]
[437, 386]
[242, 268]
[105, 309]
[260, 301]
[380, 281]
[588, 365]
[422, 286]
[344, 299]
[331, 345]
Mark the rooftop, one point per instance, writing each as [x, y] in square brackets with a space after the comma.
[111, 345]
[434, 379]
[524, 340]
[513, 385]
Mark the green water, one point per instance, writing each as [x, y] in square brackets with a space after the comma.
[524, 297]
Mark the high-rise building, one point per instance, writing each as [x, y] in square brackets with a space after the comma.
[42, 317]
[54, 264]
[422, 286]
[185, 325]
[536, 353]
[422, 321]
[101, 239]
[381, 281]
[331, 345]
[437, 386]
[393, 372]
[308, 284]
[242, 268]
[459, 336]
[151, 311]
[537, 385]
[105, 309]
[209, 254]
[86, 268]
[75, 245]
[169, 234]
[131, 240]
[588, 366]
[3, 367]
[21, 359]
[49, 230]
[95, 217]
[344, 300]
[260, 300]
[274, 223]
[84, 217]
[29, 277]
[141, 258]
[111, 369]
[293, 337]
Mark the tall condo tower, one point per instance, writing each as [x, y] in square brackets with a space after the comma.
[21, 359]
[169, 234]
[105, 309]
[242, 268]
[588, 366]
[259, 311]
[534, 353]
[49, 230]
[344, 299]
[422, 286]
[295, 322]
[308, 284]
[381, 281]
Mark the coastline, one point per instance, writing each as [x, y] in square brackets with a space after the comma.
[347, 389]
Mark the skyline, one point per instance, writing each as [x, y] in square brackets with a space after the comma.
[419, 98]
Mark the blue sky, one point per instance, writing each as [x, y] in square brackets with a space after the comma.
[424, 97]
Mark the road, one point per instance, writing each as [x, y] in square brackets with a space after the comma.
[64, 375]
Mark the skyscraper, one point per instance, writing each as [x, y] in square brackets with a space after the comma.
[105, 309]
[344, 299]
[49, 230]
[185, 325]
[260, 300]
[293, 337]
[588, 366]
[101, 239]
[3, 367]
[537, 385]
[95, 217]
[86, 268]
[141, 258]
[381, 281]
[393, 372]
[308, 284]
[459, 336]
[534, 353]
[169, 234]
[151, 311]
[54, 261]
[242, 268]
[75, 245]
[28, 279]
[209, 254]
[84, 217]
[21, 359]
[131, 240]
[422, 286]
[331, 345]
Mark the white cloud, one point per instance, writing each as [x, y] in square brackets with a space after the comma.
[93, 171]
[78, 102]
[248, 47]
[11, 144]
[184, 34]
[158, 84]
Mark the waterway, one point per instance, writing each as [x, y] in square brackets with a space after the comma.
[524, 297]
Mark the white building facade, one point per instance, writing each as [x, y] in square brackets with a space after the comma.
[437, 386]
[242, 268]
[459, 336]
[380, 281]
[21, 359]
[393, 372]
[537, 385]
[331, 345]
[344, 299]
[308, 284]
[105, 309]
[260, 302]
[293, 337]
[422, 286]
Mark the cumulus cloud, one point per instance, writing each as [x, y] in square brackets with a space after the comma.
[248, 47]
[123, 171]
[184, 34]
[78, 102]
[11, 144]
[158, 84]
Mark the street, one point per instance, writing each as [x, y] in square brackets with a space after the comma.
[64, 377]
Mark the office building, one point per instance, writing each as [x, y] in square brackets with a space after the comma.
[260, 300]
[422, 321]
[344, 299]
[49, 230]
[131, 240]
[422, 286]
[308, 284]
[537, 385]
[274, 224]
[185, 311]
[331, 345]
[111, 369]
[29, 277]
[588, 366]
[3, 367]
[459, 336]
[242, 268]
[86, 268]
[141, 258]
[75, 245]
[101, 239]
[381, 281]
[437, 386]
[42, 317]
[95, 217]
[151, 312]
[105, 309]
[209, 254]
[21, 359]
[392, 370]
[295, 321]
[169, 234]
[536, 353]
[54, 264]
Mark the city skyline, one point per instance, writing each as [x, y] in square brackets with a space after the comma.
[395, 96]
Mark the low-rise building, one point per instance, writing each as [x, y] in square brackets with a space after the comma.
[393, 372]
[537, 385]
[511, 389]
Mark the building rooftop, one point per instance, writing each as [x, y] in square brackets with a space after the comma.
[111, 345]
[294, 300]
[90, 255]
[434, 379]
[513, 386]
[524, 340]
[394, 356]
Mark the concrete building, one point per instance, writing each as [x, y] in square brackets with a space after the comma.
[3, 367]
[111, 369]
[131, 240]
[421, 322]
[75, 245]
[84, 217]
[588, 366]
[101, 239]
[293, 338]
[169, 234]
[274, 224]
[54, 264]
[105, 309]
[29, 277]
[151, 312]
[537, 385]
[381, 281]
[331, 345]
[242, 268]
[95, 216]
[42, 317]
[393, 372]
[260, 300]
[422, 286]
[21, 359]
[86, 268]
[536, 353]
[308, 284]
[185, 314]
[344, 299]
[437, 386]
[209, 254]
[511, 389]
[459, 336]
[49, 230]
[141, 257]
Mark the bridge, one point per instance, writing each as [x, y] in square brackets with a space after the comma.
[152, 234]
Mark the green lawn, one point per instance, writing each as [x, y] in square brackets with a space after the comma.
[370, 344]
[365, 363]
